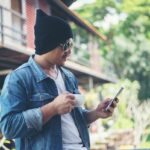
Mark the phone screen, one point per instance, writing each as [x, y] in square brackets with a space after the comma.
[110, 103]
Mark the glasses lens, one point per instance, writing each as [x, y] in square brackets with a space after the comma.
[67, 45]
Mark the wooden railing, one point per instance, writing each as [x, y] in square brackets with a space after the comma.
[12, 27]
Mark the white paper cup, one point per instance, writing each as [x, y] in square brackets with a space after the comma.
[79, 99]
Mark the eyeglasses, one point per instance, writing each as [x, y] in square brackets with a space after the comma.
[67, 45]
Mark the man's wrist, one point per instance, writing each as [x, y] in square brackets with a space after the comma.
[54, 107]
[96, 114]
[48, 111]
[92, 116]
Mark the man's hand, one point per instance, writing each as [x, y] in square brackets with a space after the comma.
[100, 110]
[64, 103]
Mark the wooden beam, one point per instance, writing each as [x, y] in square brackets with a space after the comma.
[5, 72]
[7, 66]
[76, 17]
[9, 60]
[88, 71]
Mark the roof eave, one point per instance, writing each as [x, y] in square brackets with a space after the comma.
[75, 17]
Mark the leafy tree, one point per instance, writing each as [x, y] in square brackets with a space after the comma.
[128, 50]
[130, 113]
[128, 44]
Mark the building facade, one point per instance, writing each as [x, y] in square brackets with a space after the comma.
[17, 18]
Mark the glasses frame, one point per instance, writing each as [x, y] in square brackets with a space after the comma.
[67, 45]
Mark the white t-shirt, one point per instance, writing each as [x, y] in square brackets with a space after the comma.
[70, 135]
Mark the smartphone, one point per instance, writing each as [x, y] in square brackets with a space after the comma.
[110, 103]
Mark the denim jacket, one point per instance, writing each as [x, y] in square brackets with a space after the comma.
[27, 89]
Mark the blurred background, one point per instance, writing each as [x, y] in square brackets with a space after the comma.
[111, 49]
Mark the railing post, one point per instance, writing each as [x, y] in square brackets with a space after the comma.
[2, 34]
[12, 33]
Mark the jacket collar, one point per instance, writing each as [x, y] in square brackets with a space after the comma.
[39, 73]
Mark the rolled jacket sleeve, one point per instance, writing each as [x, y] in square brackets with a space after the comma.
[33, 118]
[84, 112]
[16, 120]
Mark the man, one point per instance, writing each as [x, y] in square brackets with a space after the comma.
[37, 102]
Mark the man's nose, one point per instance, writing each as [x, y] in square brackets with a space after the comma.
[68, 52]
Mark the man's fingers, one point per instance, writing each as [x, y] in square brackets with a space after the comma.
[111, 110]
[71, 102]
[106, 102]
[117, 100]
[65, 93]
[70, 95]
[69, 108]
[114, 104]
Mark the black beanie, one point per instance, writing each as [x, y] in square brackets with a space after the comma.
[49, 32]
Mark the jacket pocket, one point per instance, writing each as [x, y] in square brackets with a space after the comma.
[76, 91]
[40, 99]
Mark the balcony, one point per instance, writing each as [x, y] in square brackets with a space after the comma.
[14, 49]
[12, 40]
[12, 28]
[85, 47]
